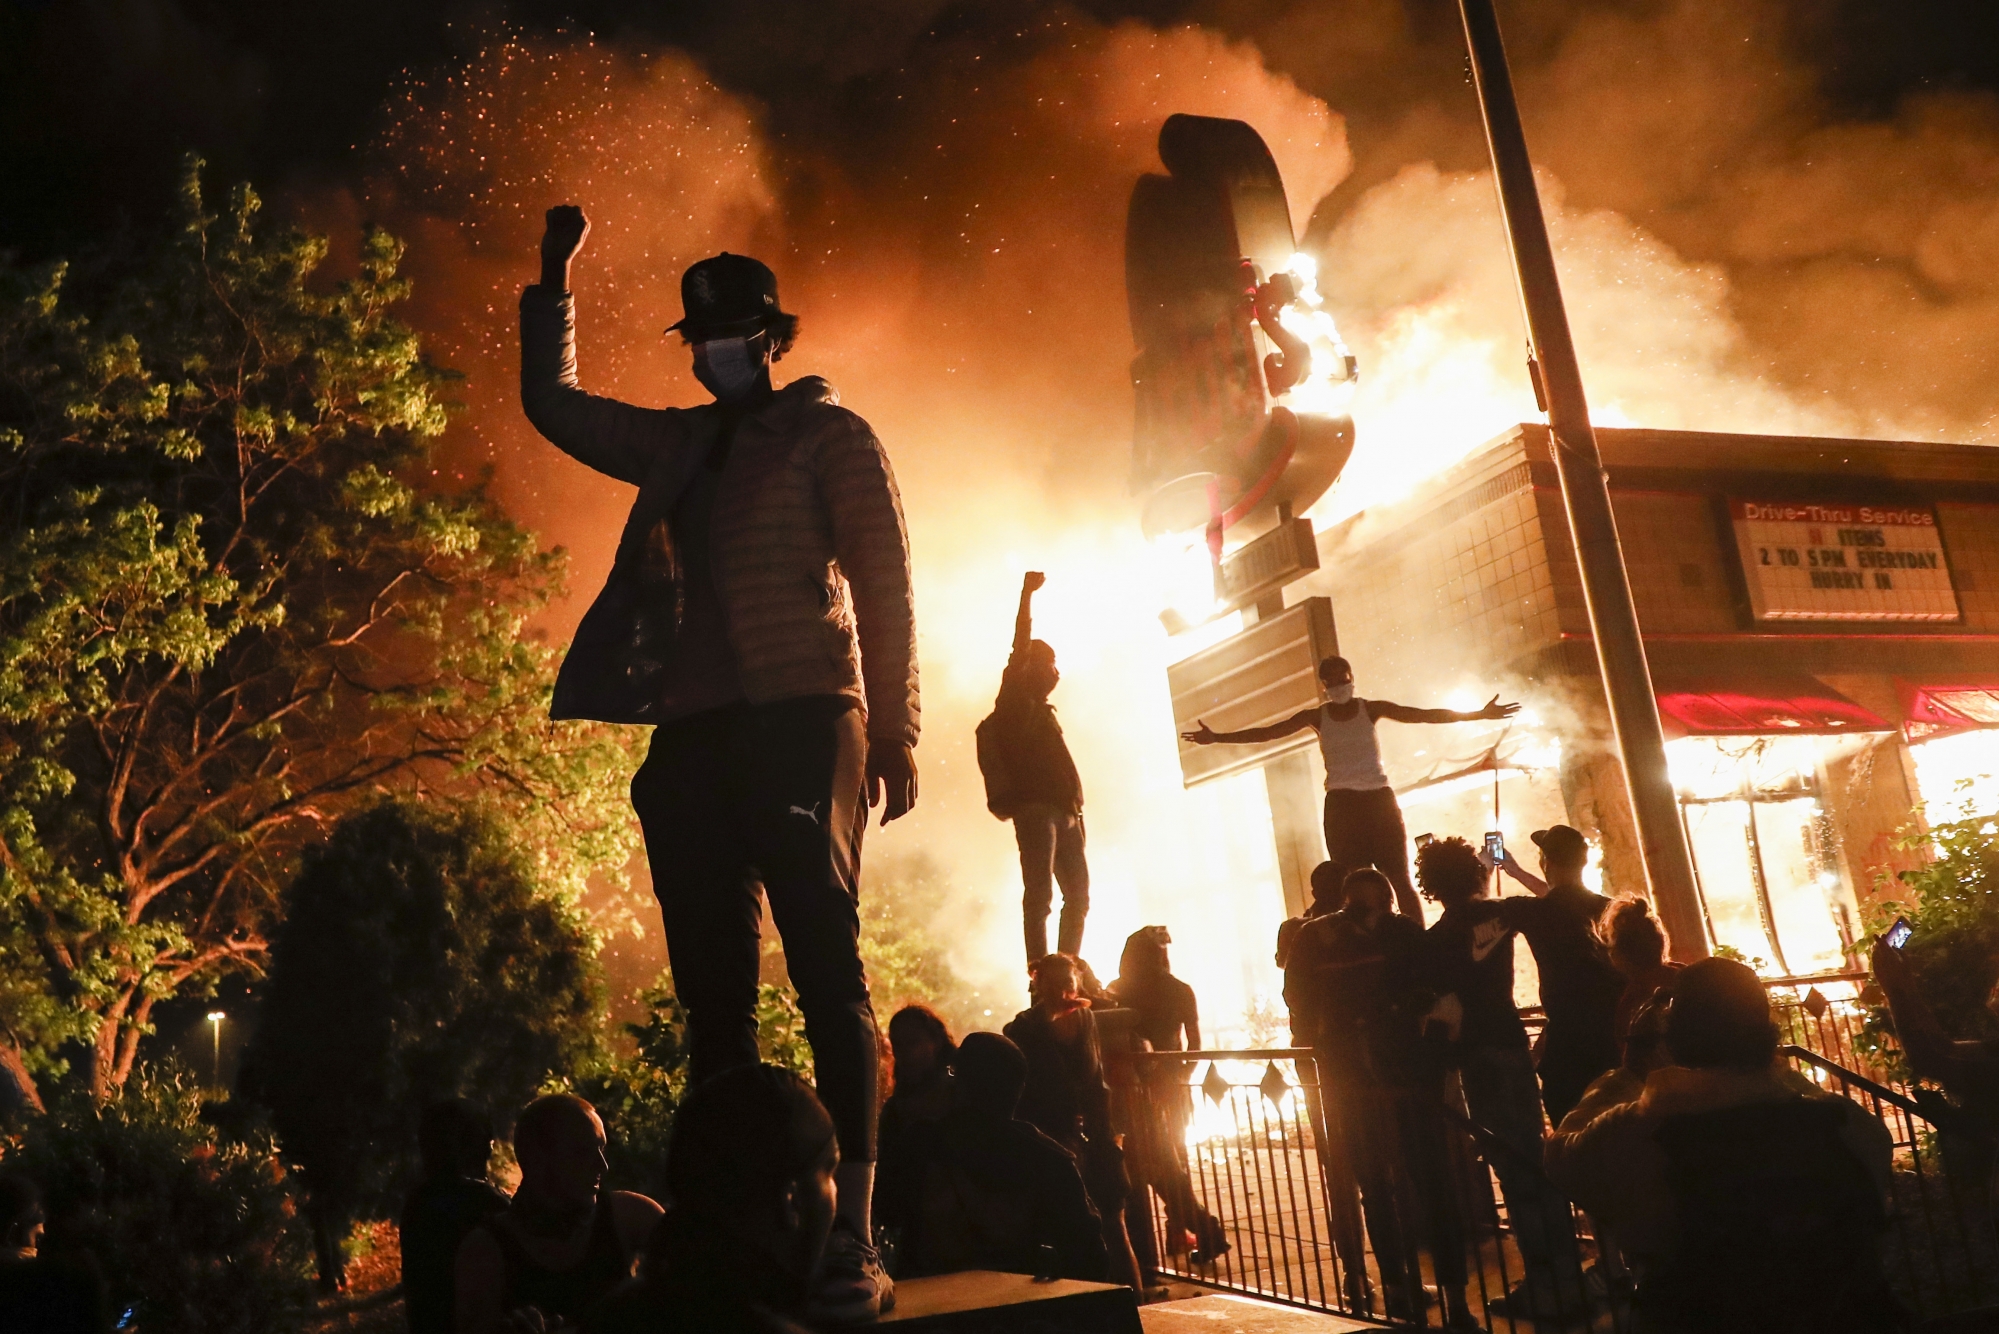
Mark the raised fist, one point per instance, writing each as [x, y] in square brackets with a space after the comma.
[1032, 581]
[565, 231]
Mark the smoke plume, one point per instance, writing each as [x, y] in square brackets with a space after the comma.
[945, 210]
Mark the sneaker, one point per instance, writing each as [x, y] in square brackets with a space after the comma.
[1208, 1253]
[852, 1288]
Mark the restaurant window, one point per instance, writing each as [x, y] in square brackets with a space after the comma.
[1764, 855]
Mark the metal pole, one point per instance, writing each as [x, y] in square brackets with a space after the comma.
[1627, 681]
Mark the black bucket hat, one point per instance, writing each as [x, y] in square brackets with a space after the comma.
[726, 296]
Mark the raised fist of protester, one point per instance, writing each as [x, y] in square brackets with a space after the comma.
[564, 231]
[1032, 581]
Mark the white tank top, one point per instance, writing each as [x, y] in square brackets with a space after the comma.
[1353, 756]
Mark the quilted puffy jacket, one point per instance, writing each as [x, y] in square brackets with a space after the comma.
[811, 555]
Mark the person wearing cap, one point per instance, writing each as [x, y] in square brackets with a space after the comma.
[1580, 984]
[1363, 820]
[758, 616]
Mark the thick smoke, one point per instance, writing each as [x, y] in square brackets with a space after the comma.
[955, 250]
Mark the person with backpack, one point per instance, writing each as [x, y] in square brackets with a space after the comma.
[1743, 1201]
[1031, 780]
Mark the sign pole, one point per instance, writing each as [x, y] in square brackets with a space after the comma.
[1620, 651]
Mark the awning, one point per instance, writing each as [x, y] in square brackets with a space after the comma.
[1762, 706]
[1930, 710]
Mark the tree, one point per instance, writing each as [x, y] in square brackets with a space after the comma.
[195, 1231]
[418, 960]
[228, 614]
[1952, 901]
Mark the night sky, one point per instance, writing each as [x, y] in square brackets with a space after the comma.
[99, 99]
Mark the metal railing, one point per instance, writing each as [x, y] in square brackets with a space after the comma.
[1377, 1206]
[1255, 1178]
[1942, 1249]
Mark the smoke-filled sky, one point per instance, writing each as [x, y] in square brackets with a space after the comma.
[1768, 215]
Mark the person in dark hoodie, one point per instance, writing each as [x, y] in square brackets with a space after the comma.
[455, 1139]
[996, 1191]
[1031, 781]
[1068, 1098]
[758, 615]
[749, 1175]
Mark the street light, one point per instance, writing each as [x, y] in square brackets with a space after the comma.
[215, 1018]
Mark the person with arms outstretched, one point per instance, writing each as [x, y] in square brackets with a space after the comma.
[1032, 781]
[758, 615]
[1363, 820]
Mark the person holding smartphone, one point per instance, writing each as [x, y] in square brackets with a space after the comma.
[1363, 820]
[1580, 984]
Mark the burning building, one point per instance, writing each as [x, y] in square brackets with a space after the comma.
[1822, 621]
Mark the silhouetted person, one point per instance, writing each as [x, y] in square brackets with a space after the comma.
[1580, 986]
[1363, 819]
[1066, 1096]
[563, 1243]
[1366, 993]
[455, 1140]
[1471, 958]
[923, 1052]
[1168, 1018]
[1743, 1202]
[995, 1189]
[1637, 945]
[749, 1172]
[1328, 894]
[1032, 781]
[39, 1293]
[758, 614]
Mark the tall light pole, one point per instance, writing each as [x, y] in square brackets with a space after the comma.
[1620, 651]
[215, 1018]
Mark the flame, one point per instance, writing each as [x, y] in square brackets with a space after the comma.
[1328, 387]
[1958, 776]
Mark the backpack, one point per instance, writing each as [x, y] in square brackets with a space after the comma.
[993, 768]
[1778, 1223]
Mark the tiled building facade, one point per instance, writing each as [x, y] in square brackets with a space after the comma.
[1470, 586]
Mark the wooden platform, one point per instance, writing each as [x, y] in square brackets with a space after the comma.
[1226, 1313]
[981, 1301]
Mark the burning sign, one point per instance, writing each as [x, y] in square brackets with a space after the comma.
[1242, 381]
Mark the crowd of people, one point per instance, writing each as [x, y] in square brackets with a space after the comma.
[1726, 1191]
[758, 616]
[1029, 1151]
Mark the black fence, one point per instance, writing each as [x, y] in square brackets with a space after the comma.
[1255, 1178]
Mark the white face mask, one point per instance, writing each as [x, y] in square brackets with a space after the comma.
[732, 369]
[1339, 694]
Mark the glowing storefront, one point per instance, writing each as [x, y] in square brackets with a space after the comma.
[1822, 620]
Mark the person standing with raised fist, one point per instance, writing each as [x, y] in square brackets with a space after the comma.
[1031, 780]
[758, 615]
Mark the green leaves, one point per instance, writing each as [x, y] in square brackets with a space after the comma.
[232, 608]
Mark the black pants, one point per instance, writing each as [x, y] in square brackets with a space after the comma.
[1364, 828]
[768, 793]
[1051, 854]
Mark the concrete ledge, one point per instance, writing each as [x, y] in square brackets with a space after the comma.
[982, 1301]
[1226, 1313]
